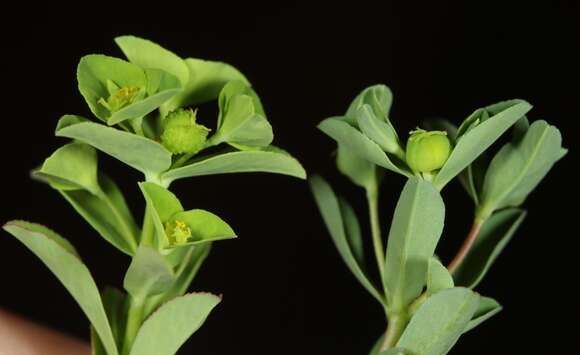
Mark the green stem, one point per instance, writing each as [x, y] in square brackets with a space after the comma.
[135, 318]
[373, 204]
[148, 232]
[397, 324]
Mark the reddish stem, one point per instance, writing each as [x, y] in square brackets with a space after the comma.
[466, 246]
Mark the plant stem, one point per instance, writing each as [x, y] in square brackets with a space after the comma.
[466, 246]
[148, 231]
[373, 203]
[135, 317]
[397, 324]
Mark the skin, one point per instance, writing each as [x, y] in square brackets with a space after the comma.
[23, 337]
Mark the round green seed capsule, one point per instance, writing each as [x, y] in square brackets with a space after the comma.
[427, 151]
[182, 134]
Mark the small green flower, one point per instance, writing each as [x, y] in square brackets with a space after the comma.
[182, 134]
[178, 232]
[427, 151]
[120, 98]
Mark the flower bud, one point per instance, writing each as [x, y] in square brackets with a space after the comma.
[120, 98]
[178, 232]
[182, 134]
[427, 151]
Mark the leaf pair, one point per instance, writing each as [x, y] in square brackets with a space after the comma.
[162, 334]
[72, 171]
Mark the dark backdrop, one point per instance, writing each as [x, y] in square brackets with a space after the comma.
[285, 289]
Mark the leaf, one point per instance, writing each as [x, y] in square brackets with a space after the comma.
[360, 171]
[519, 167]
[72, 167]
[206, 80]
[415, 230]
[352, 230]
[438, 277]
[242, 125]
[205, 226]
[378, 97]
[439, 322]
[380, 132]
[161, 205]
[116, 307]
[71, 272]
[168, 328]
[476, 140]
[329, 208]
[95, 71]
[357, 143]
[149, 274]
[270, 160]
[148, 54]
[138, 152]
[487, 308]
[495, 233]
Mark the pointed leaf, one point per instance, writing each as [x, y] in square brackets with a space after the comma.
[168, 328]
[70, 270]
[378, 131]
[439, 322]
[356, 142]
[205, 226]
[138, 152]
[476, 140]
[487, 308]
[520, 166]
[378, 97]
[270, 160]
[148, 54]
[438, 277]
[415, 231]
[495, 233]
[149, 274]
[331, 214]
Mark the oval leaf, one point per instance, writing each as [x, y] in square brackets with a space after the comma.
[415, 231]
[57, 254]
[168, 328]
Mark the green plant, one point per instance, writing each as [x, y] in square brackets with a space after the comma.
[427, 305]
[145, 122]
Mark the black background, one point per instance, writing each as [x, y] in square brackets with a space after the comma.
[285, 288]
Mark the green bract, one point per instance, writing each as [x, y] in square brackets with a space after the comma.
[145, 116]
[429, 305]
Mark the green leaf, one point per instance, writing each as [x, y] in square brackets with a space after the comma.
[378, 97]
[97, 347]
[205, 226]
[415, 230]
[161, 204]
[487, 308]
[439, 322]
[270, 160]
[377, 347]
[149, 274]
[380, 132]
[477, 139]
[148, 54]
[350, 138]
[116, 306]
[168, 328]
[72, 167]
[495, 233]
[241, 119]
[519, 167]
[138, 152]
[438, 277]
[71, 272]
[352, 230]
[332, 215]
[206, 80]
[360, 171]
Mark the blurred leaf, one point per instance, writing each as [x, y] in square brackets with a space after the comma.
[57, 254]
[331, 214]
[415, 230]
[352, 230]
[439, 322]
[360, 171]
[495, 233]
[477, 139]
[149, 274]
[116, 306]
[168, 328]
